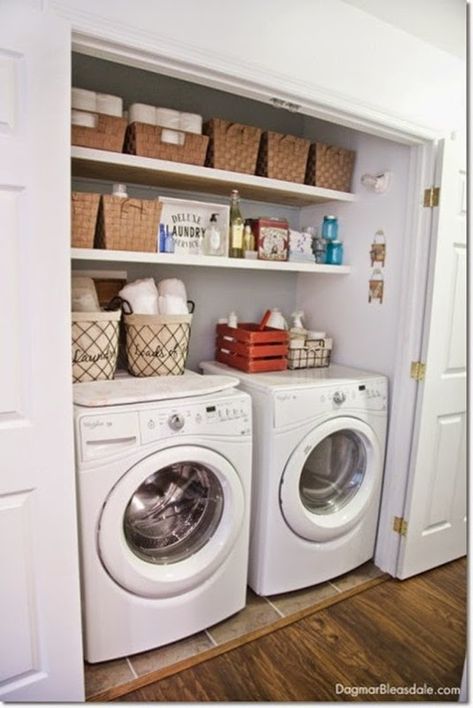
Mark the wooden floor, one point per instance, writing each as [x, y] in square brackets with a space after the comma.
[397, 633]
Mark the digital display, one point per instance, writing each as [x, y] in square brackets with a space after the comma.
[362, 388]
[210, 409]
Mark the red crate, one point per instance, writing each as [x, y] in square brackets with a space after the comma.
[251, 349]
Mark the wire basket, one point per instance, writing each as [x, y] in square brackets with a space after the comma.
[311, 357]
[157, 345]
[95, 338]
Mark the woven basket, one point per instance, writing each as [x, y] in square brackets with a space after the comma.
[157, 345]
[330, 167]
[283, 157]
[128, 224]
[109, 134]
[94, 345]
[232, 146]
[84, 210]
[145, 140]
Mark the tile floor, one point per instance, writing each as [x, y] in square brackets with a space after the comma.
[259, 612]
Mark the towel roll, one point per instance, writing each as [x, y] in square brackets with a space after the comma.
[142, 113]
[86, 120]
[83, 100]
[172, 136]
[191, 123]
[174, 287]
[168, 118]
[110, 105]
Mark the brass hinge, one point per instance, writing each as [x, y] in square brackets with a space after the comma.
[417, 370]
[432, 197]
[400, 525]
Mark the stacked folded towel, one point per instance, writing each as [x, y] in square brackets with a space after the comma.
[169, 297]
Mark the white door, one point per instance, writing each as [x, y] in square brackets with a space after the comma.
[331, 479]
[435, 508]
[40, 633]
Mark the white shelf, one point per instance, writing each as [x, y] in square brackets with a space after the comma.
[131, 169]
[96, 254]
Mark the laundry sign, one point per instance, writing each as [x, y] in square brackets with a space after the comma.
[186, 222]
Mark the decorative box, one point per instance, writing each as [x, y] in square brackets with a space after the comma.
[272, 238]
[187, 221]
[251, 349]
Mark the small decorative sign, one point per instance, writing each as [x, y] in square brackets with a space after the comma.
[376, 286]
[378, 259]
[187, 220]
[378, 249]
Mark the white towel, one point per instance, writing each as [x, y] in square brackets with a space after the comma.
[142, 296]
[171, 305]
[172, 286]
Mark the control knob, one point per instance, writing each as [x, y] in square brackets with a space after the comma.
[176, 421]
[339, 397]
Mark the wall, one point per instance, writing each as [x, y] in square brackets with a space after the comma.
[321, 51]
[365, 335]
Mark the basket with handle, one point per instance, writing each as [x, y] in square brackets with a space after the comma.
[232, 146]
[283, 157]
[95, 337]
[330, 167]
[146, 140]
[84, 210]
[108, 133]
[157, 345]
[128, 224]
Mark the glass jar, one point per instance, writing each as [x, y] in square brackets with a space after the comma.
[330, 228]
[334, 253]
[319, 246]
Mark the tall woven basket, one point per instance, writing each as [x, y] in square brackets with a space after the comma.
[232, 146]
[94, 345]
[84, 210]
[157, 345]
[330, 167]
[283, 157]
[128, 224]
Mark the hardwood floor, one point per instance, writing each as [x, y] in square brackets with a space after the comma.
[397, 633]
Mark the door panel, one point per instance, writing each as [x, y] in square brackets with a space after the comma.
[40, 633]
[436, 497]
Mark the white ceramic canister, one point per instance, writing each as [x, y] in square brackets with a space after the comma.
[83, 100]
[142, 113]
[191, 123]
[110, 105]
[84, 119]
[168, 118]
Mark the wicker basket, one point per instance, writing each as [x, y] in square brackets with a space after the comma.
[232, 146]
[108, 134]
[157, 345]
[330, 167]
[84, 210]
[128, 224]
[94, 345]
[145, 140]
[283, 157]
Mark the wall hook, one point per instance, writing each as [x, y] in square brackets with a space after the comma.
[377, 183]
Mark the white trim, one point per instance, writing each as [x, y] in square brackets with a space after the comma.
[404, 393]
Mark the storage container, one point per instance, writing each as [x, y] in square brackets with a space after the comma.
[128, 224]
[330, 167]
[271, 237]
[84, 211]
[147, 140]
[108, 133]
[283, 157]
[250, 349]
[315, 354]
[232, 146]
[157, 345]
[94, 345]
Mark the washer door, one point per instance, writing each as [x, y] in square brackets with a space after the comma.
[330, 479]
[171, 521]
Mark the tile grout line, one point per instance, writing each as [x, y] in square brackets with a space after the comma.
[131, 668]
[209, 636]
[281, 614]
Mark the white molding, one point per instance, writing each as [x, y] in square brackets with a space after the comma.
[404, 389]
[97, 35]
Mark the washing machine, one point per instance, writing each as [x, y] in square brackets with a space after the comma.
[319, 444]
[164, 478]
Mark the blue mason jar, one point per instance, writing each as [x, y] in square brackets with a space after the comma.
[330, 228]
[334, 253]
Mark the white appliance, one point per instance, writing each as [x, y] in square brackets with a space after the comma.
[319, 442]
[164, 498]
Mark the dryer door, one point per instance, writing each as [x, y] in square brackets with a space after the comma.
[331, 479]
[171, 521]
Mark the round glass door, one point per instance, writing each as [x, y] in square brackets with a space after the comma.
[173, 513]
[333, 472]
[331, 479]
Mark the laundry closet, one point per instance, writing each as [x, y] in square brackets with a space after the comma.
[392, 329]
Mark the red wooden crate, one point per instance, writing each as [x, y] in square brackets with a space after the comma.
[251, 349]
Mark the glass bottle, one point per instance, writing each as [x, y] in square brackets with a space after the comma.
[213, 238]
[236, 226]
[248, 239]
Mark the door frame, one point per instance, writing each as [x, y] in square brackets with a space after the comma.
[115, 42]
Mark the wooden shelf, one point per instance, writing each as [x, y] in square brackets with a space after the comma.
[131, 169]
[96, 254]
